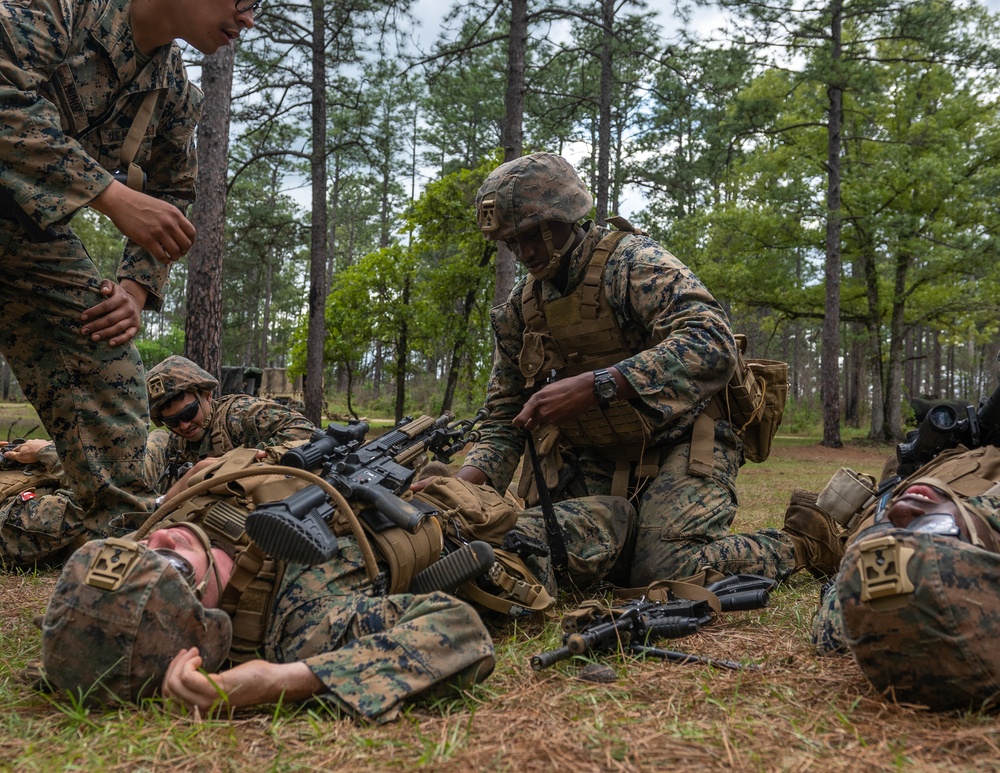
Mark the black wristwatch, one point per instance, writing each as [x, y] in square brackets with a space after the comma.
[605, 387]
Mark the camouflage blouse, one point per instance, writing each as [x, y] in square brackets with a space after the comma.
[682, 344]
[71, 83]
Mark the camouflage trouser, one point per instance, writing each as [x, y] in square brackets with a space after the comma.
[828, 625]
[31, 530]
[684, 519]
[373, 653]
[598, 532]
[90, 397]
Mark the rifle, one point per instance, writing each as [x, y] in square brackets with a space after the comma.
[942, 428]
[172, 473]
[632, 627]
[296, 528]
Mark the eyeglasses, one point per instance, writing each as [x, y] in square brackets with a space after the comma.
[942, 524]
[187, 413]
[253, 6]
[178, 562]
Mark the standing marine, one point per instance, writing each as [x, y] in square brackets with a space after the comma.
[96, 110]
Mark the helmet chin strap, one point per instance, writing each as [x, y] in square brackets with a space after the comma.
[206, 411]
[557, 254]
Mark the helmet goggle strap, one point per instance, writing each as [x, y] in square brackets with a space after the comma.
[555, 254]
[112, 566]
[487, 214]
[213, 569]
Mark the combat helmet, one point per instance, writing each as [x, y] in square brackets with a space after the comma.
[119, 615]
[521, 194]
[172, 377]
[919, 614]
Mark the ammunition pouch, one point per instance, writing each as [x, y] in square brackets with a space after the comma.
[471, 512]
[405, 554]
[17, 480]
[468, 510]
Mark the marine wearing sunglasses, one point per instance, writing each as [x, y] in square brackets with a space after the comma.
[186, 415]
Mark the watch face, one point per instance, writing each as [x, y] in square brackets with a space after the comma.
[606, 386]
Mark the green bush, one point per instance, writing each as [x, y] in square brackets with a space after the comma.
[802, 417]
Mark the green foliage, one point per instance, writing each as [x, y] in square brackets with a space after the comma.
[802, 416]
[103, 241]
[154, 350]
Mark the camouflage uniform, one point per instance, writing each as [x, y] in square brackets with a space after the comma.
[71, 82]
[31, 521]
[235, 421]
[683, 353]
[371, 652]
[238, 421]
[598, 533]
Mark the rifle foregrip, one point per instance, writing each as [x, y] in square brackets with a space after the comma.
[671, 628]
[545, 659]
[401, 513]
[743, 600]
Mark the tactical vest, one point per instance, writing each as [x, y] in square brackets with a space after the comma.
[577, 333]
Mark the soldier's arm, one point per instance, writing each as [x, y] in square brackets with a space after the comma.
[49, 174]
[248, 684]
[499, 449]
[693, 353]
[171, 170]
[254, 422]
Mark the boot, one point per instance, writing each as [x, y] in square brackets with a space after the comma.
[819, 541]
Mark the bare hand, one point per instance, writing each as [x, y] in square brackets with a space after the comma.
[26, 452]
[116, 318]
[156, 225]
[189, 687]
[556, 402]
[249, 684]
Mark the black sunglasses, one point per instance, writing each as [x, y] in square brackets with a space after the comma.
[187, 413]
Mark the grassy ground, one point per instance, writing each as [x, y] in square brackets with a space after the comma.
[797, 713]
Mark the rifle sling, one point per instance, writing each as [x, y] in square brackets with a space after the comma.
[557, 543]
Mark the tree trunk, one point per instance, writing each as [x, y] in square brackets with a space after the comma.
[897, 344]
[604, 116]
[451, 383]
[203, 326]
[512, 132]
[318, 287]
[830, 367]
[402, 355]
